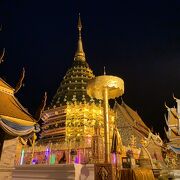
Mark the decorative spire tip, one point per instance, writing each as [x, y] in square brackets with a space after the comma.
[79, 22]
[104, 70]
[79, 55]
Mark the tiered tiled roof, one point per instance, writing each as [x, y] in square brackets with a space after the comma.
[73, 86]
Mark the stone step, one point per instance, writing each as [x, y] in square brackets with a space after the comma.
[44, 172]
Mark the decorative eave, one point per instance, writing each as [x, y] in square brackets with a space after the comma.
[7, 91]
[6, 88]
[53, 112]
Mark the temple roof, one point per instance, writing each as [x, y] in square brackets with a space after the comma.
[6, 86]
[130, 123]
[10, 106]
[14, 118]
[73, 85]
[133, 117]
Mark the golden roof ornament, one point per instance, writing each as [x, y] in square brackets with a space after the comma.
[144, 142]
[3, 53]
[104, 70]
[2, 56]
[79, 55]
[41, 107]
[133, 141]
[20, 82]
[168, 108]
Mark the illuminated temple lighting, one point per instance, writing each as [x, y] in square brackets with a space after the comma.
[74, 129]
[114, 158]
[73, 123]
[22, 157]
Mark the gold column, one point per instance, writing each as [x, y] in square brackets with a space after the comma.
[105, 87]
[106, 125]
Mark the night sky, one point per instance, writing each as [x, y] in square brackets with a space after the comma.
[138, 41]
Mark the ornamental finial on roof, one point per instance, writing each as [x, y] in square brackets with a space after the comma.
[175, 98]
[166, 105]
[79, 24]
[20, 82]
[79, 55]
[2, 56]
[3, 53]
[104, 70]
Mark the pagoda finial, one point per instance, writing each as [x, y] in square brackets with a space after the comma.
[20, 82]
[79, 24]
[3, 53]
[104, 70]
[79, 55]
[2, 56]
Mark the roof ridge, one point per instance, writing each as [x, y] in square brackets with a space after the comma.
[139, 118]
[4, 82]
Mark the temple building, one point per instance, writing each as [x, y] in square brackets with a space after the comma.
[73, 123]
[137, 137]
[173, 130]
[74, 132]
[16, 126]
[73, 127]
[73, 120]
[15, 120]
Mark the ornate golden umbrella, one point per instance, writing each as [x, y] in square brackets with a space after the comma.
[105, 87]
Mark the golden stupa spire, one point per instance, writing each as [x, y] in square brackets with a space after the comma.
[79, 55]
